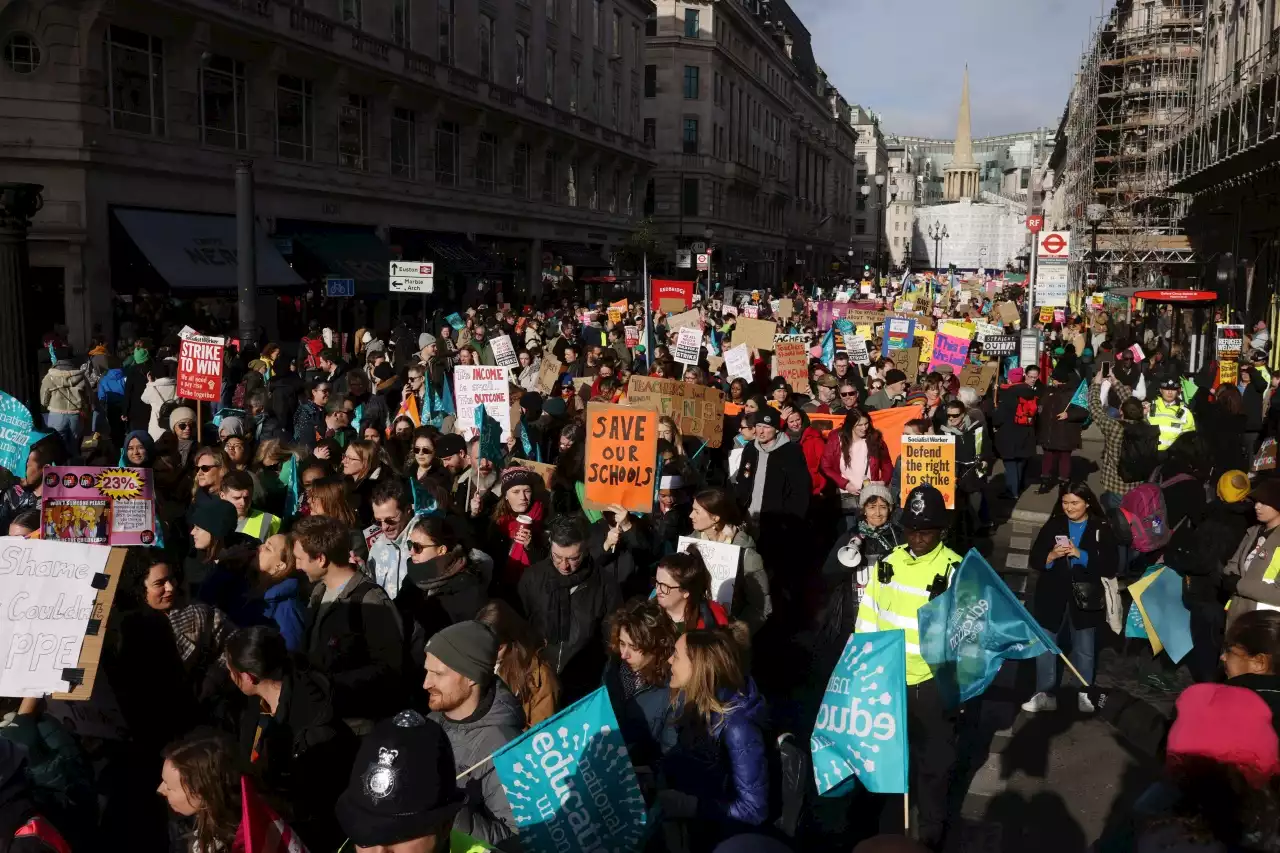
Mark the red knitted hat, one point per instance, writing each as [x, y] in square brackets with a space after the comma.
[1230, 725]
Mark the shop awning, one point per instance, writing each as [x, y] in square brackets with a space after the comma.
[350, 254]
[197, 251]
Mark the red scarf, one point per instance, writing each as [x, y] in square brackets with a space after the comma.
[517, 557]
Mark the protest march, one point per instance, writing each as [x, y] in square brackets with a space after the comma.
[674, 572]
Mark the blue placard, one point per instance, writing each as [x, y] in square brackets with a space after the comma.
[339, 287]
[571, 785]
[15, 435]
[861, 730]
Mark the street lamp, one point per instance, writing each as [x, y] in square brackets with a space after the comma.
[938, 233]
[1094, 213]
[709, 233]
[865, 189]
[879, 221]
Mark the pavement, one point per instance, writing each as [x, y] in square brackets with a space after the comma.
[1051, 782]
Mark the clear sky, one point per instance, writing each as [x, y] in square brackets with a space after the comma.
[904, 58]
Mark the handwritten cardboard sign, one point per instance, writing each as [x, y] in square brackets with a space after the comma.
[622, 457]
[908, 361]
[929, 459]
[1008, 312]
[861, 316]
[949, 350]
[1228, 372]
[696, 409]
[548, 373]
[721, 560]
[979, 376]
[482, 386]
[925, 340]
[756, 333]
[685, 320]
[793, 364]
[738, 362]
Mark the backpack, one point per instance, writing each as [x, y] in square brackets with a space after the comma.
[1143, 518]
[1139, 452]
[1025, 414]
[111, 386]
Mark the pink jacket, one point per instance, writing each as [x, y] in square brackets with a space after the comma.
[879, 468]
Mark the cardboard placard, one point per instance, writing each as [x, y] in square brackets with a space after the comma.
[548, 373]
[793, 364]
[621, 457]
[1266, 458]
[929, 459]
[1228, 372]
[979, 377]
[738, 361]
[714, 363]
[671, 306]
[1000, 345]
[200, 368]
[688, 345]
[756, 333]
[1008, 312]
[721, 560]
[697, 410]
[908, 361]
[785, 309]
[949, 350]
[685, 320]
[924, 340]
[861, 316]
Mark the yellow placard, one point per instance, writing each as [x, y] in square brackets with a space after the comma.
[924, 340]
[1137, 589]
[929, 459]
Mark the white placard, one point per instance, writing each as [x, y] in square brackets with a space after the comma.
[737, 361]
[485, 386]
[858, 350]
[47, 597]
[985, 329]
[688, 346]
[722, 562]
[504, 352]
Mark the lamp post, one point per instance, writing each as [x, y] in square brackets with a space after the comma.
[938, 233]
[865, 189]
[709, 233]
[879, 221]
[1094, 214]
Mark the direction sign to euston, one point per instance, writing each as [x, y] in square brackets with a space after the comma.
[412, 277]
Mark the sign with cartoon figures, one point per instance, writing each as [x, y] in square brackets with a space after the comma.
[98, 506]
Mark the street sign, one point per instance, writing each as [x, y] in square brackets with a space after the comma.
[704, 261]
[1034, 223]
[412, 277]
[1052, 285]
[1055, 246]
[698, 247]
[339, 286]
[684, 258]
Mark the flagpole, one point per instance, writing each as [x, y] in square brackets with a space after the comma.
[906, 813]
[1075, 671]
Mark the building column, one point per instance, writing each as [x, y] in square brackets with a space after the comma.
[18, 203]
[534, 270]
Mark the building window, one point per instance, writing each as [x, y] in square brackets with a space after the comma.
[551, 9]
[689, 197]
[650, 132]
[650, 81]
[571, 185]
[351, 11]
[691, 82]
[615, 188]
[651, 25]
[637, 46]
[447, 154]
[593, 191]
[617, 105]
[522, 62]
[400, 28]
[859, 226]
[635, 111]
[444, 11]
[404, 144]
[486, 47]
[549, 86]
[294, 118]
[861, 203]
[575, 16]
[648, 198]
[692, 29]
[550, 179]
[690, 136]
[597, 22]
[520, 172]
[222, 102]
[353, 132]
[486, 162]
[615, 43]
[135, 81]
[575, 74]
[22, 54]
[597, 95]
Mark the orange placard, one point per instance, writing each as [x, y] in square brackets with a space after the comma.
[622, 455]
[732, 409]
[825, 423]
[930, 459]
[890, 423]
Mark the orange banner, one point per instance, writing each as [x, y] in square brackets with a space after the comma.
[890, 423]
[622, 454]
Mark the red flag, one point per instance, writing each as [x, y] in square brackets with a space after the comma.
[261, 830]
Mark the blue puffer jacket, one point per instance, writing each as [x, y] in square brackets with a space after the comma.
[727, 769]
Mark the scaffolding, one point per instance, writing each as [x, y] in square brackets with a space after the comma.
[1133, 96]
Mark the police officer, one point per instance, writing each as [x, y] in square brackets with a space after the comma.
[1259, 360]
[909, 577]
[1170, 416]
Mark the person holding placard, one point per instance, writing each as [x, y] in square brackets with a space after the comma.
[683, 587]
[855, 455]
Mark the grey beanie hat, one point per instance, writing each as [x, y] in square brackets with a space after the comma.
[875, 490]
[426, 339]
[468, 648]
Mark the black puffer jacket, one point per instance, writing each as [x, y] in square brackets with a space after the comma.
[1199, 553]
[17, 500]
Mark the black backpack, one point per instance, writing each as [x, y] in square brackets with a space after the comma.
[1139, 452]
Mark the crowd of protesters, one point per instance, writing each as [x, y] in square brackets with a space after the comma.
[346, 575]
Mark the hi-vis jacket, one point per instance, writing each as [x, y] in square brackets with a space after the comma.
[1172, 421]
[886, 606]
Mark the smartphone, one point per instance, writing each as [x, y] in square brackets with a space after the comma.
[1106, 370]
[1062, 541]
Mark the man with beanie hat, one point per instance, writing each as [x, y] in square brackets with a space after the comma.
[402, 797]
[893, 392]
[909, 577]
[479, 716]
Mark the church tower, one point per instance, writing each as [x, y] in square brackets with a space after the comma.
[960, 178]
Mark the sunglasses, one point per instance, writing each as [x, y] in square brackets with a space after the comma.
[418, 547]
[425, 451]
[182, 426]
[205, 469]
[848, 393]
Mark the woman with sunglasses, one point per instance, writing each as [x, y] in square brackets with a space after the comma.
[423, 464]
[855, 455]
[210, 464]
[444, 583]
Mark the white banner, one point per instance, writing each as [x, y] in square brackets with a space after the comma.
[737, 361]
[722, 563]
[47, 597]
[487, 386]
[504, 352]
[688, 345]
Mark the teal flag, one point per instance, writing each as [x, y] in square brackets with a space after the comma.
[423, 503]
[15, 435]
[490, 432]
[971, 629]
[829, 349]
[293, 486]
[1081, 397]
[1189, 389]
[861, 730]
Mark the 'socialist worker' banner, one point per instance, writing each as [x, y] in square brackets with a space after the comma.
[571, 785]
[47, 593]
[200, 368]
[929, 459]
[622, 457]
